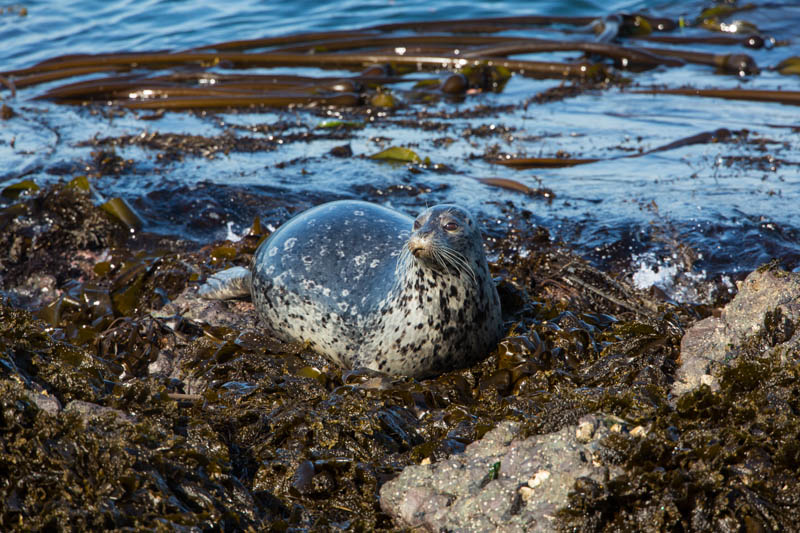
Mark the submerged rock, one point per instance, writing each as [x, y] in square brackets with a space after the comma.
[765, 310]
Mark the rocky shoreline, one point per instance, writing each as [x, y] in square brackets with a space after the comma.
[128, 403]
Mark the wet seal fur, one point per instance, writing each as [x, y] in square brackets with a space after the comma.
[367, 286]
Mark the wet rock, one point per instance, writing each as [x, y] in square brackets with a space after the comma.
[585, 429]
[35, 292]
[165, 365]
[502, 482]
[92, 410]
[341, 151]
[55, 233]
[765, 310]
[235, 314]
[46, 402]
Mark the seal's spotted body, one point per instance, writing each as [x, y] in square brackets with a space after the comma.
[367, 286]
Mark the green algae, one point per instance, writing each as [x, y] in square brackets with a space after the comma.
[14, 190]
[398, 154]
[122, 211]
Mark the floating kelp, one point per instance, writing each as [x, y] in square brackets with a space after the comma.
[513, 185]
[542, 162]
[721, 134]
[789, 65]
[750, 41]
[780, 97]
[399, 49]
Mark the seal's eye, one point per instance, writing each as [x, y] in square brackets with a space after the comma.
[451, 226]
[417, 225]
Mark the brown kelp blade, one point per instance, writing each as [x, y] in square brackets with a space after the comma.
[514, 185]
[263, 60]
[754, 95]
[630, 56]
[706, 137]
[139, 87]
[750, 41]
[522, 163]
[492, 24]
[733, 63]
[187, 79]
[37, 78]
[220, 101]
[284, 40]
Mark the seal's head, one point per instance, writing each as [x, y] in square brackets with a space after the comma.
[446, 238]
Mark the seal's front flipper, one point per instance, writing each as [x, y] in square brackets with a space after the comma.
[230, 283]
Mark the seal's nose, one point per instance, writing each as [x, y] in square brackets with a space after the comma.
[418, 244]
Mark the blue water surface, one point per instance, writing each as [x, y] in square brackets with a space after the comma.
[733, 205]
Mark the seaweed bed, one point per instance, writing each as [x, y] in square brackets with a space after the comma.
[118, 411]
[115, 418]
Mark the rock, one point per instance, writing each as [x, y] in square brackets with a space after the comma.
[45, 402]
[639, 432]
[500, 483]
[36, 291]
[92, 410]
[767, 296]
[235, 314]
[585, 430]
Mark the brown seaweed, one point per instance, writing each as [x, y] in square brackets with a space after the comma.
[756, 95]
[543, 162]
[451, 45]
[521, 163]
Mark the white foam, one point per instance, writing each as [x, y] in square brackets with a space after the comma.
[663, 276]
[669, 275]
[231, 235]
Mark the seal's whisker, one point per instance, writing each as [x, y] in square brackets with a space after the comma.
[455, 256]
[458, 261]
[439, 256]
[448, 260]
[467, 267]
[402, 261]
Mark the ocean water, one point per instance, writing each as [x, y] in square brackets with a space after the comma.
[730, 206]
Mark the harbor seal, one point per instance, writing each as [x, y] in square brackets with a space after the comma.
[370, 287]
